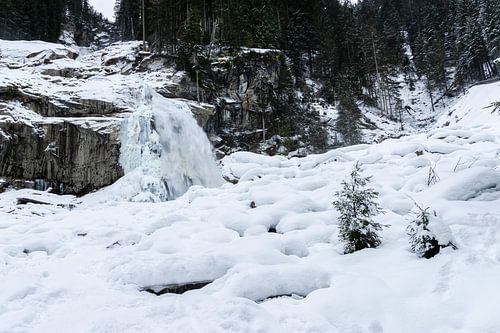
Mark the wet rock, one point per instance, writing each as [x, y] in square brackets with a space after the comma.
[25, 201]
[176, 288]
[72, 156]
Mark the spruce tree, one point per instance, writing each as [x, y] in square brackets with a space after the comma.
[357, 206]
[423, 241]
[491, 26]
[348, 119]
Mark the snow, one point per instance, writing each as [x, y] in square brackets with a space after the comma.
[102, 75]
[84, 268]
[473, 109]
[20, 50]
[267, 244]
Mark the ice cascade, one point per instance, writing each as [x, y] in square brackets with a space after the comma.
[164, 151]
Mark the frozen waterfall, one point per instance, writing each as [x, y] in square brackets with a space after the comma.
[164, 151]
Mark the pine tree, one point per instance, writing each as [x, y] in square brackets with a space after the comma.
[495, 106]
[423, 241]
[473, 61]
[491, 26]
[357, 206]
[429, 46]
[348, 119]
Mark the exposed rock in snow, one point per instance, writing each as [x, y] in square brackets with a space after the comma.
[64, 113]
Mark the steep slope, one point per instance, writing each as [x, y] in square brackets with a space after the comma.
[474, 108]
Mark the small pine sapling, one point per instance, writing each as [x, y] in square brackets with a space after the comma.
[423, 241]
[357, 206]
[495, 106]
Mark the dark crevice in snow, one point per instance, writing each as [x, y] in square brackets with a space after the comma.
[273, 230]
[175, 288]
[293, 296]
[25, 201]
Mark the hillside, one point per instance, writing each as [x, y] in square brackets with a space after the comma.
[265, 251]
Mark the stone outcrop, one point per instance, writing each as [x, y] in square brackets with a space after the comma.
[71, 146]
[54, 133]
[52, 107]
[241, 87]
[70, 155]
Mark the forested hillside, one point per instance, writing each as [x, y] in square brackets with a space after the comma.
[381, 54]
[361, 46]
[47, 19]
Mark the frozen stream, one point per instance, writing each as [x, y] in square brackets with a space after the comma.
[164, 151]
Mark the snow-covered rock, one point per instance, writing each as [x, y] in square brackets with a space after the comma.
[65, 109]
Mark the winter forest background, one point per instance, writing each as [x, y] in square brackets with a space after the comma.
[354, 49]
[251, 166]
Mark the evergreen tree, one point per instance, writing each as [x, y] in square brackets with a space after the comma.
[472, 59]
[357, 206]
[491, 26]
[423, 241]
[348, 119]
[45, 19]
[429, 46]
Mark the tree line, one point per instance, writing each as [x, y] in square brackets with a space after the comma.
[359, 48]
[46, 19]
[356, 47]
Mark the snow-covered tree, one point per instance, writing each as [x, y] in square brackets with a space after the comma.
[426, 240]
[357, 206]
[348, 120]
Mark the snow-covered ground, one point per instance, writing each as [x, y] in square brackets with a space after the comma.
[81, 264]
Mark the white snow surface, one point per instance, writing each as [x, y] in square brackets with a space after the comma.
[103, 75]
[83, 269]
[474, 108]
[81, 264]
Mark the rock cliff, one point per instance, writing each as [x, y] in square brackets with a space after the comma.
[61, 109]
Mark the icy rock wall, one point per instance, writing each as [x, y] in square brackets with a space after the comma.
[164, 151]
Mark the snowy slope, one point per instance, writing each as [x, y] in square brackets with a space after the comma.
[69, 75]
[82, 269]
[474, 108]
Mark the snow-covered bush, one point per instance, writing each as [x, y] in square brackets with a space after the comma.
[357, 205]
[427, 234]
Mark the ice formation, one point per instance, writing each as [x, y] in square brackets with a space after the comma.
[164, 151]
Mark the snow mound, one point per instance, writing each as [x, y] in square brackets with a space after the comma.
[259, 283]
[469, 184]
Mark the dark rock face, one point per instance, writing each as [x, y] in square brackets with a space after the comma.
[70, 156]
[242, 87]
[71, 146]
[50, 107]
[245, 87]
[71, 143]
